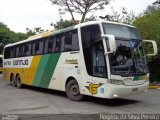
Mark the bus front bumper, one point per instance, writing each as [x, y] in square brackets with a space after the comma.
[116, 91]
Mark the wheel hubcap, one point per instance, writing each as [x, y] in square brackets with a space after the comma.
[74, 90]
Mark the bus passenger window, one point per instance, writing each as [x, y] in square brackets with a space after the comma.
[17, 51]
[20, 51]
[75, 43]
[37, 48]
[33, 48]
[12, 52]
[62, 43]
[57, 45]
[6, 53]
[71, 41]
[50, 46]
[41, 47]
[68, 42]
[27, 50]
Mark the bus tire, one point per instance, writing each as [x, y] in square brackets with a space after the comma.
[72, 91]
[13, 81]
[18, 82]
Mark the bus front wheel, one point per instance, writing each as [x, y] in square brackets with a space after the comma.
[72, 90]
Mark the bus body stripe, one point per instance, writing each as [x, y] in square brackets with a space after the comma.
[49, 70]
[40, 70]
[32, 70]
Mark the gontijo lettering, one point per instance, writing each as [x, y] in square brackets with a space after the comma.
[20, 62]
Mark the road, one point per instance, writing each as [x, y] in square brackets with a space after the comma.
[31, 100]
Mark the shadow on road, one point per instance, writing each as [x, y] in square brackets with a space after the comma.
[105, 102]
[44, 90]
[111, 102]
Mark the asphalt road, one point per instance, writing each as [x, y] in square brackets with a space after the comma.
[31, 100]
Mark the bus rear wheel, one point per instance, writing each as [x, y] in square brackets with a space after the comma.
[72, 90]
[13, 81]
[18, 82]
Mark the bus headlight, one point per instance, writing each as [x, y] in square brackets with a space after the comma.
[117, 82]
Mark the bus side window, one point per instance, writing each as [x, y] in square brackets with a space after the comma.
[41, 46]
[68, 41]
[12, 52]
[71, 41]
[17, 51]
[62, 43]
[20, 51]
[37, 47]
[37, 50]
[7, 53]
[56, 44]
[27, 49]
[75, 43]
[33, 48]
[45, 46]
[50, 44]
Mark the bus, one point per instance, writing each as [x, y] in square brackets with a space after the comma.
[1, 63]
[97, 58]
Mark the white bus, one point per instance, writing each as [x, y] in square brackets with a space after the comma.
[100, 59]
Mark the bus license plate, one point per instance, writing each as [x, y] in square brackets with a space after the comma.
[134, 89]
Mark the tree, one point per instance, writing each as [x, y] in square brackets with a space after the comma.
[156, 2]
[36, 30]
[124, 16]
[7, 36]
[91, 18]
[81, 7]
[62, 24]
[148, 23]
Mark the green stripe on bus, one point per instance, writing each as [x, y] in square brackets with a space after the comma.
[136, 78]
[40, 70]
[49, 70]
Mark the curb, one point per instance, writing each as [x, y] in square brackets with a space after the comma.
[154, 87]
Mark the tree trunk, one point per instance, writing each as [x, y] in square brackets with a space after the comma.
[70, 11]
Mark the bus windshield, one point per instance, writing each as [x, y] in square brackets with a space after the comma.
[130, 57]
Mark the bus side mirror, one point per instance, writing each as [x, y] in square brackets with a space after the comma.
[109, 43]
[151, 47]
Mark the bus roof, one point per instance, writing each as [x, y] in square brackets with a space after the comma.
[49, 33]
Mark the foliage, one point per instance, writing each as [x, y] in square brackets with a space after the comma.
[148, 24]
[36, 30]
[123, 17]
[81, 7]
[62, 24]
[91, 18]
[156, 2]
[7, 36]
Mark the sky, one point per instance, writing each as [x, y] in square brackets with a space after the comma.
[21, 14]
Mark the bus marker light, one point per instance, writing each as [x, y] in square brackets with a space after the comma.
[115, 95]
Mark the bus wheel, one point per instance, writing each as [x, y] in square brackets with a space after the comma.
[12, 79]
[18, 82]
[72, 91]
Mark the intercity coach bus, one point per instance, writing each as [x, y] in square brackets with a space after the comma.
[99, 58]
